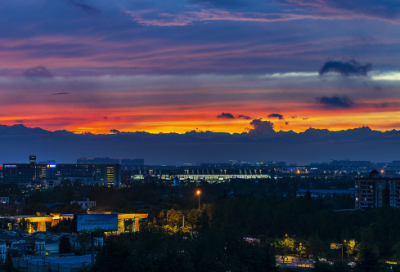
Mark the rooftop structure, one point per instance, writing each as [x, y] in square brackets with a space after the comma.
[38, 222]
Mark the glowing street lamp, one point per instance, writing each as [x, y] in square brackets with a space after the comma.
[199, 193]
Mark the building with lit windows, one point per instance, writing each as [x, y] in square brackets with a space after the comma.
[102, 174]
[376, 191]
[23, 172]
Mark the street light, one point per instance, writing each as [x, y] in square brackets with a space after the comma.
[199, 193]
[344, 241]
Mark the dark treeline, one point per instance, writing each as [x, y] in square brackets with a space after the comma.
[204, 250]
[164, 195]
[266, 210]
[312, 222]
[215, 239]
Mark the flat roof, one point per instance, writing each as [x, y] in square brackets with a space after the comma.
[78, 260]
[7, 237]
[349, 191]
[372, 179]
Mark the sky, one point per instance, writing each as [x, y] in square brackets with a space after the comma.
[184, 65]
[221, 66]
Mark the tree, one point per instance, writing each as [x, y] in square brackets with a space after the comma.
[308, 195]
[301, 251]
[25, 224]
[65, 225]
[323, 267]
[316, 246]
[341, 266]
[369, 261]
[351, 247]
[8, 265]
[65, 245]
[396, 252]
[84, 241]
[113, 257]
[286, 245]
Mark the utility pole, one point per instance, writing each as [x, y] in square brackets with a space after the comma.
[342, 252]
[198, 193]
[92, 247]
[183, 225]
[344, 242]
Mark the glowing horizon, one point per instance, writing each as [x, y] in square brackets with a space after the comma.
[174, 68]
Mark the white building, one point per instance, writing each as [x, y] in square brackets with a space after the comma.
[86, 204]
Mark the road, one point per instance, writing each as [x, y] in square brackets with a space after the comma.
[293, 261]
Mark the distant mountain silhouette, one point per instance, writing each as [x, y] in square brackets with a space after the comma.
[313, 145]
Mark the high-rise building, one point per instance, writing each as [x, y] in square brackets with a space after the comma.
[102, 174]
[32, 159]
[376, 191]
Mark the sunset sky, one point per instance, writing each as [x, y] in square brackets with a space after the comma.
[191, 65]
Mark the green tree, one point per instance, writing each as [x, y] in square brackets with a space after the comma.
[396, 268]
[286, 245]
[301, 251]
[8, 264]
[25, 224]
[323, 267]
[83, 241]
[65, 225]
[341, 266]
[351, 247]
[65, 245]
[316, 246]
[369, 261]
[114, 257]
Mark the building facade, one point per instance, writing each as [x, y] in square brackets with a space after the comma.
[102, 174]
[315, 193]
[85, 203]
[376, 191]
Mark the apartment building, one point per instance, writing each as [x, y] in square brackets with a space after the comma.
[376, 191]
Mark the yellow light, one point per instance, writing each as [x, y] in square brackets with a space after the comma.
[382, 171]
[198, 192]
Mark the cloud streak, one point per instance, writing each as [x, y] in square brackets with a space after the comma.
[350, 68]
[276, 115]
[226, 116]
[335, 101]
[38, 71]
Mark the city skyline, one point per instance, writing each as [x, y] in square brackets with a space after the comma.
[220, 66]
